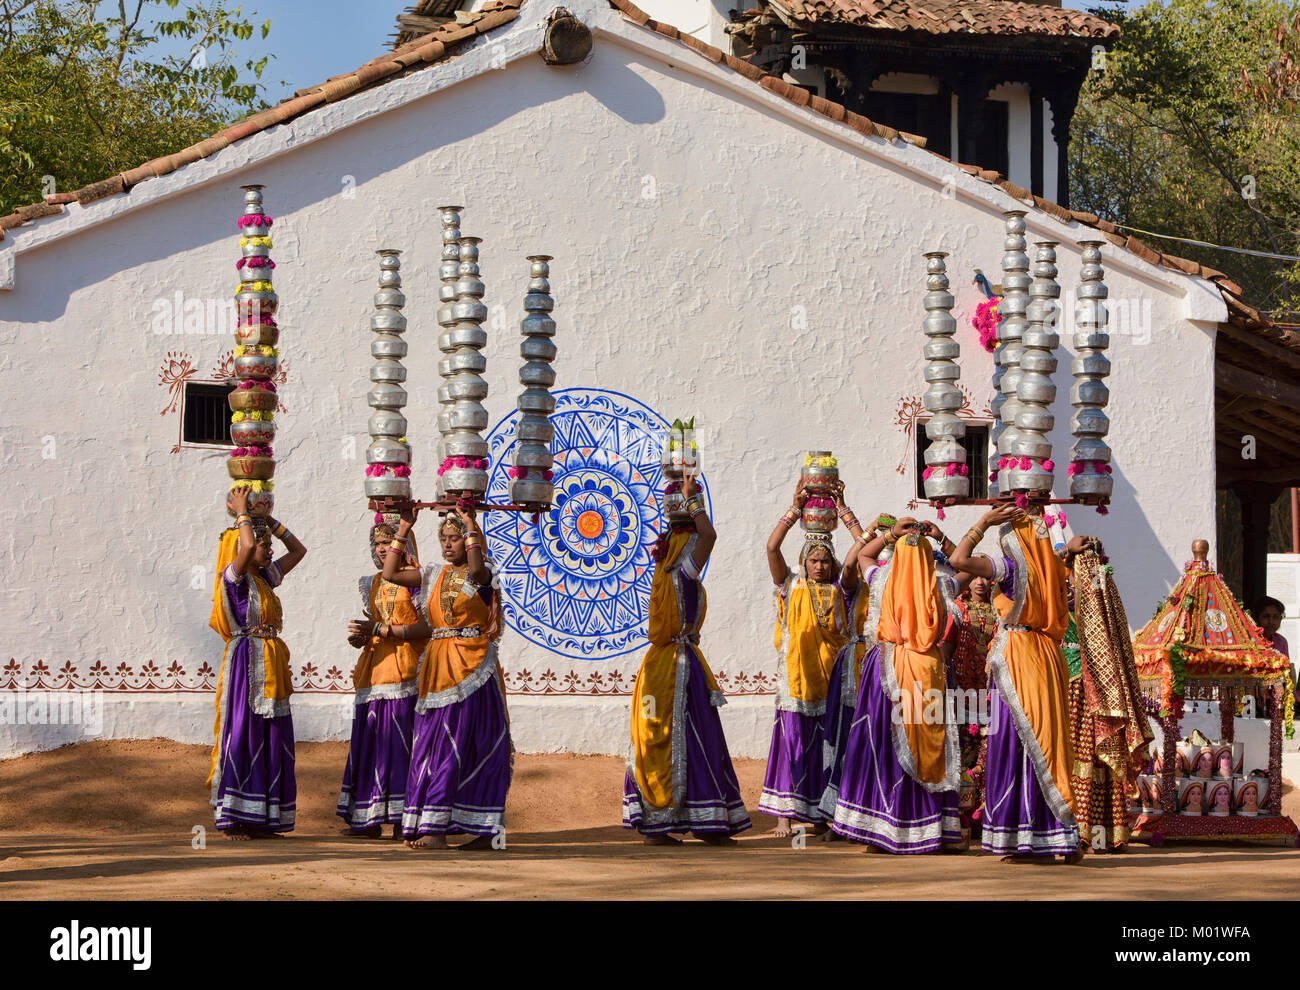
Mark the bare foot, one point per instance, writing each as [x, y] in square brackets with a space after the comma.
[662, 840]
[871, 850]
[1074, 858]
[427, 842]
[820, 828]
[481, 842]
[373, 832]
[716, 839]
[265, 833]
[1026, 858]
[782, 830]
[830, 835]
[955, 847]
[236, 834]
[397, 831]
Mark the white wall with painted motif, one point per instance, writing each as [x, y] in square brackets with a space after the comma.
[719, 253]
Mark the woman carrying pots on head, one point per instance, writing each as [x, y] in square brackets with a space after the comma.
[460, 747]
[253, 788]
[392, 635]
[899, 787]
[813, 624]
[1029, 806]
[679, 774]
[862, 607]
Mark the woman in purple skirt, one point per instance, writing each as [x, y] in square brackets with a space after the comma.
[392, 636]
[862, 605]
[253, 788]
[679, 774]
[902, 763]
[812, 626]
[460, 747]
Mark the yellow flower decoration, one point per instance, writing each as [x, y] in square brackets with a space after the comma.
[240, 350]
[821, 461]
[266, 350]
[255, 287]
[238, 417]
[255, 242]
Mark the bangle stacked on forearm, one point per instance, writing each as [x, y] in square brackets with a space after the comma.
[280, 531]
[974, 534]
[791, 516]
[472, 542]
[849, 519]
[890, 537]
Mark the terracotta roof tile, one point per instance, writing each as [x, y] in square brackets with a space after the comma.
[1001, 17]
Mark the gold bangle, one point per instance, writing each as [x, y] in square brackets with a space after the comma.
[280, 530]
[974, 534]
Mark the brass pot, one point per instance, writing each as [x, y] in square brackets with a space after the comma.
[255, 334]
[252, 400]
[251, 468]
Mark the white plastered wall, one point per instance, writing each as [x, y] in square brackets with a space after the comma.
[719, 252]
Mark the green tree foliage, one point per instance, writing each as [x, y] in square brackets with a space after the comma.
[1192, 128]
[86, 90]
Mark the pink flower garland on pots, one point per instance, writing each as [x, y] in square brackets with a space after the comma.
[383, 470]
[462, 462]
[515, 472]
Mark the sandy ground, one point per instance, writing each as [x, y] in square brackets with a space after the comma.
[110, 820]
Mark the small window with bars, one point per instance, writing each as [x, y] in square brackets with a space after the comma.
[205, 414]
[976, 443]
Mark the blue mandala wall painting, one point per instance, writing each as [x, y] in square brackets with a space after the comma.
[577, 582]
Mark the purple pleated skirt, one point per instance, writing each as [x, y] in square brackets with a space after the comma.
[878, 801]
[460, 767]
[795, 778]
[256, 789]
[712, 794]
[835, 732]
[374, 779]
[1017, 819]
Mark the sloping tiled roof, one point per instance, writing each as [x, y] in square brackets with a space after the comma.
[436, 46]
[999, 17]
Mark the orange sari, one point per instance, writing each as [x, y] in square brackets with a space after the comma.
[1026, 664]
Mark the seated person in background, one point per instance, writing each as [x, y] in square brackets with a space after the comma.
[1269, 613]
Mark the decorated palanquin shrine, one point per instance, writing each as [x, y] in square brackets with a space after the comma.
[1201, 647]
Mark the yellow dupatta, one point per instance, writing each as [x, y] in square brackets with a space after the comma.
[655, 700]
[912, 622]
[272, 674]
[810, 647]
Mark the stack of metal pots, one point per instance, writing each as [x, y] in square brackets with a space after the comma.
[1011, 328]
[463, 471]
[1030, 449]
[946, 471]
[253, 400]
[1089, 469]
[388, 458]
[533, 433]
[818, 473]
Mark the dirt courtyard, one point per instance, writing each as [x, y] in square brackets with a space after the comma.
[116, 820]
